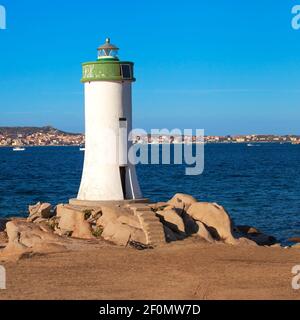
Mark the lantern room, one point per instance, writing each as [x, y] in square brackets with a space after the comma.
[108, 51]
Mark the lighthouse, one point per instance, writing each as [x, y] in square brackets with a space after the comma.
[107, 174]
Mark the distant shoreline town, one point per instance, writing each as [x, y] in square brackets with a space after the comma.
[49, 136]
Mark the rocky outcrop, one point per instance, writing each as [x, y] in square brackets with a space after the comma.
[26, 238]
[203, 233]
[190, 225]
[139, 225]
[117, 232]
[121, 225]
[294, 239]
[132, 223]
[67, 218]
[170, 235]
[172, 220]
[3, 239]
[82, 229]
[73, 221]
[121, 234]
[3, 223]
[182, 201]
[39, 211]
[246, 229]
[130, 220]
[111, 213]
[216, 220]
[255, 235]
[242, 241]
[159, 206]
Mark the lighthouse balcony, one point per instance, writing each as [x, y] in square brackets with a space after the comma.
[107, 71]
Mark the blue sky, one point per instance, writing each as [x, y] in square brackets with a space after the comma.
[228, 66]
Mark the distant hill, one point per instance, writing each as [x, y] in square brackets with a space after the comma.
[14, 131]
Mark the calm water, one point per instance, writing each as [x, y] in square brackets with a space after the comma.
[257, 185]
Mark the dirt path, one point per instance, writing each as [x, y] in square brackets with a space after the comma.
[186, 270]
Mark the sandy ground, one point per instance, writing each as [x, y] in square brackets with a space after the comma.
[190, 269]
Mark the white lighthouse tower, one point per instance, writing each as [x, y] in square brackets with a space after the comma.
[107, 175]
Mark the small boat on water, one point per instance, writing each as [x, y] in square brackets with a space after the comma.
[82, 149]
[19, 149]
[253, 145]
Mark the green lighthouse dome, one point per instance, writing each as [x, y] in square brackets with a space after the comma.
[108, 67]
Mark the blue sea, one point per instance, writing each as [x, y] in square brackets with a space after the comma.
[259, 186]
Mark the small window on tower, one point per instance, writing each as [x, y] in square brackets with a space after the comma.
[126, 71]
[123, 122]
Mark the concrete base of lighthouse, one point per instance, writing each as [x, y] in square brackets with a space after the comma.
[90, 203]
